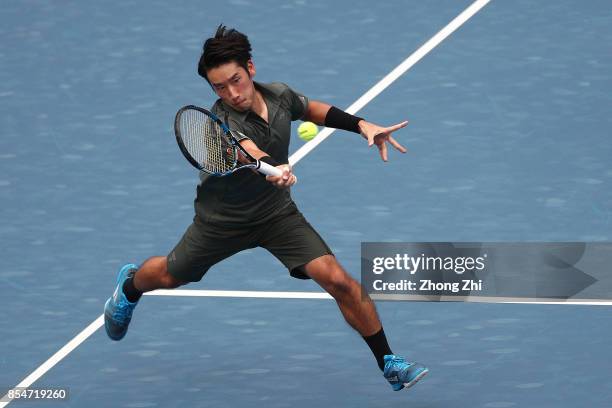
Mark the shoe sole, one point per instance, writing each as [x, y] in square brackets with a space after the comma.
[416, 379]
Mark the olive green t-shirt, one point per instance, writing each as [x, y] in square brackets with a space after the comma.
[245, 197]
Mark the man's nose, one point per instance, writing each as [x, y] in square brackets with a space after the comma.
[233, 93]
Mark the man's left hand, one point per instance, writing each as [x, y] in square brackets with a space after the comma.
[379, 136]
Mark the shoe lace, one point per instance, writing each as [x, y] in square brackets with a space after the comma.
[400, 366]
[123, 311]
[399, 360]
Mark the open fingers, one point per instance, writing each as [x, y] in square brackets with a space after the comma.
[398, 146]
[396, 127]
[383, 151]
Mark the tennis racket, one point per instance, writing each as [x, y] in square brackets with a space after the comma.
[210, 146]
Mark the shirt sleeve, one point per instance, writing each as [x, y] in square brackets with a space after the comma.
[298, 103]
[238, 135]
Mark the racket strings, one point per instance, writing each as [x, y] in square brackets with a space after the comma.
[206, 142]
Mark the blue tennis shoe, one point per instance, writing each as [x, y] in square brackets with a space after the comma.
[402, 374]
[118, 310]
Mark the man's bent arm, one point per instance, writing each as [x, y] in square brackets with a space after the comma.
[316, 112]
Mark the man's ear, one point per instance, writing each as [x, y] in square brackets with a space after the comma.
[251, 68]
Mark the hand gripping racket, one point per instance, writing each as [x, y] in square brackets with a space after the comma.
[209, 145]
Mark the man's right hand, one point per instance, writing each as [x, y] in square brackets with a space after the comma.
[286, 180]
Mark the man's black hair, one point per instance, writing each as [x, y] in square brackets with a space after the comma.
[228, 45]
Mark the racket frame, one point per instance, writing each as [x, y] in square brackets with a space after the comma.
[255, 164]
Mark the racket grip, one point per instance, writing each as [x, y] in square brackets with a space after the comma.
[268, 169]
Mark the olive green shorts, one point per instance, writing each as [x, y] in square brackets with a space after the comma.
[287, 235]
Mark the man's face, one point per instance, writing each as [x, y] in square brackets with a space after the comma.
[233, 84]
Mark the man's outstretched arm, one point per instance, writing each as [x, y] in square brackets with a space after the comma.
[324, 114]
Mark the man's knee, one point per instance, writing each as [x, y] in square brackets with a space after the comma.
[328, 273]
[341, 285]
[165, 279]
[170, 282]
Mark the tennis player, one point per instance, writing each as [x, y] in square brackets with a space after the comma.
[246, 210]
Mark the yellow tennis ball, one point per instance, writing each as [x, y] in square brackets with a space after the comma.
[307, 131]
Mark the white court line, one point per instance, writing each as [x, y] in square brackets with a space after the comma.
[57, 357]
[297, 156]
[96, 324]
[324, 295]
[493, 299]
[393, 75]
[240, 294]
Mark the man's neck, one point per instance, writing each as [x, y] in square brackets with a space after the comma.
[259, 106]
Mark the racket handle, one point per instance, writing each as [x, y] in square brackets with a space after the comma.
[268, 169]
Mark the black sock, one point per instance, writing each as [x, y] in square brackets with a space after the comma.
[379, 346]
[129, 290]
